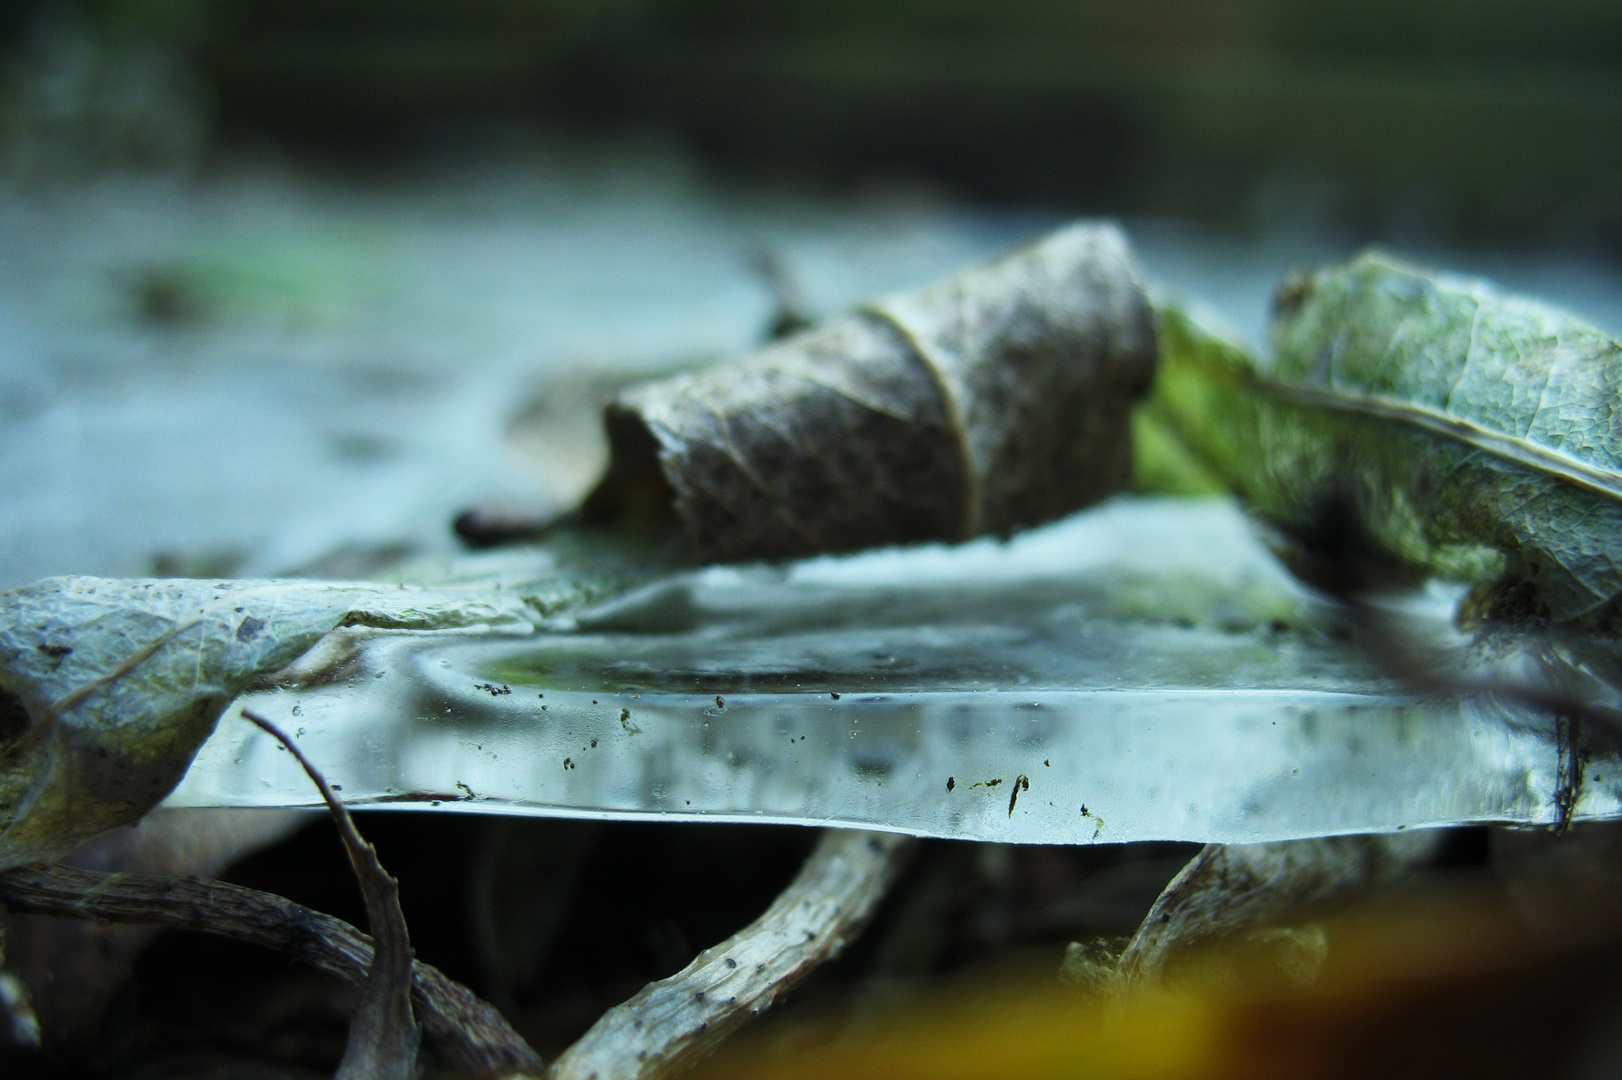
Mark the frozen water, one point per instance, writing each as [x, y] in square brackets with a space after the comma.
[1144, 671]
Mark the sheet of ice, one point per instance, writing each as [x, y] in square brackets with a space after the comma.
[1144, 671]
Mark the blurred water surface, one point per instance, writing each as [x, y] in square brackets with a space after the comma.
[273, 370]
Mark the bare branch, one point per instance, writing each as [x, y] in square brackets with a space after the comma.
[673, 1023]
[1230, 888]
[75, 968]
[469, 1035]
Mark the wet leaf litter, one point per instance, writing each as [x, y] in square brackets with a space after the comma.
[1463, 430]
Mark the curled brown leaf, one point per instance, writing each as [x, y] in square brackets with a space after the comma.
[993, 401]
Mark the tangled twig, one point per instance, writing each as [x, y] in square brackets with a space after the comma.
[469, 1035]
[672, 1023]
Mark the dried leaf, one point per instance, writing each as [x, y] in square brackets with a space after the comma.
[108, 687]
[383, 1034]
[1473, 432]
[993, 401]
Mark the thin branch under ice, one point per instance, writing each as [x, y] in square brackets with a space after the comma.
[670, 1024]
[1229, 888]
[469, 1035]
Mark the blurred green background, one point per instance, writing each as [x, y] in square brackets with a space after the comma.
[410, 244]
[1468, 118]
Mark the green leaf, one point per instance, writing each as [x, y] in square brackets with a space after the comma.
[108, 687]
[1475, 433]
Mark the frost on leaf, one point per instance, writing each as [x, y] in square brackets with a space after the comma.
[107, 688]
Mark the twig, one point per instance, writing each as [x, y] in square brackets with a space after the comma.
[671, 1024]
[490, 524]
[468, 1035]
[790, 312]
[1230, 888]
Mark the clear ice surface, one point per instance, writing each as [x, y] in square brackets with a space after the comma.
[1141, 671]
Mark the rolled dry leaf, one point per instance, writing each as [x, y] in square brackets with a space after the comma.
[987, 403]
